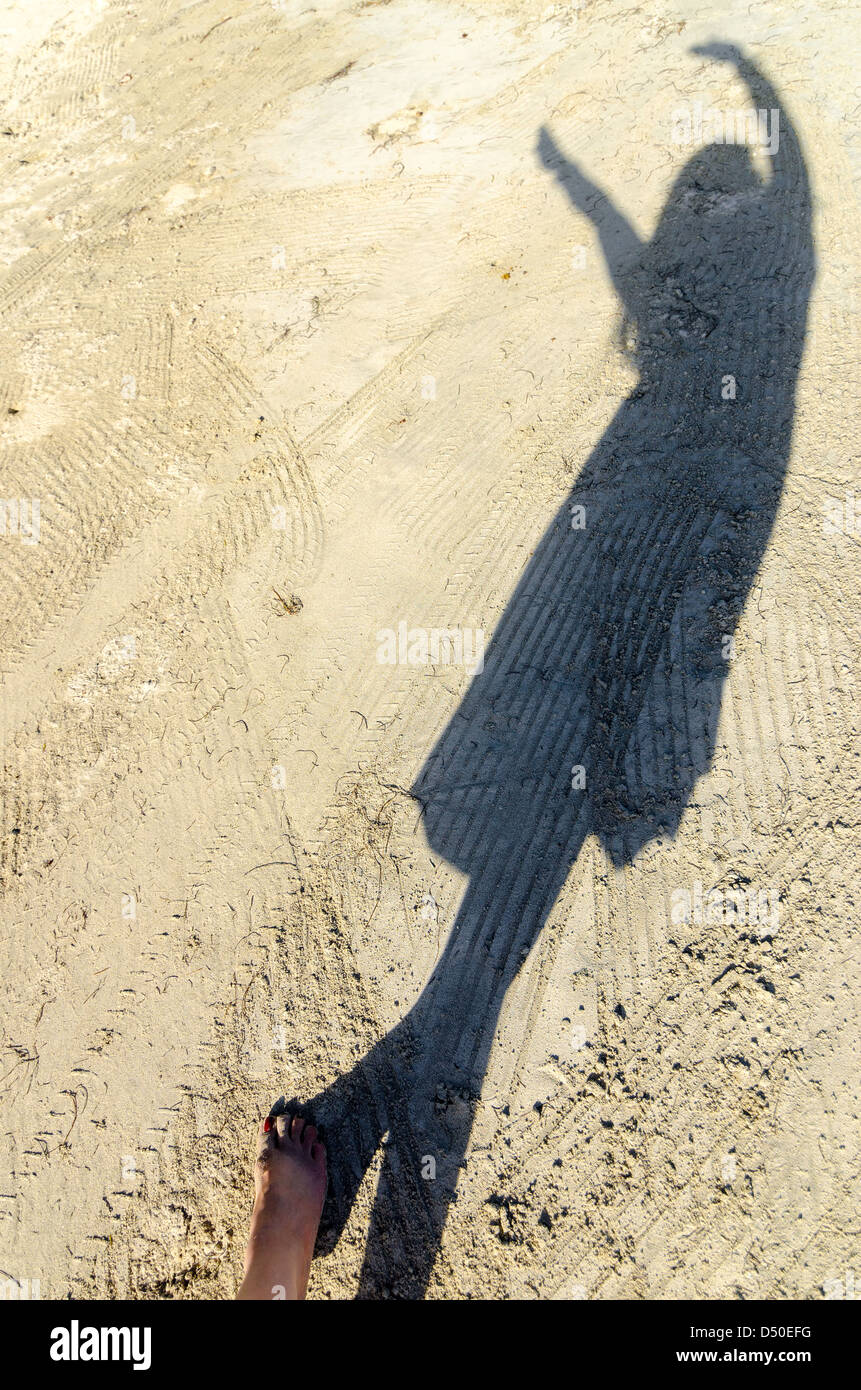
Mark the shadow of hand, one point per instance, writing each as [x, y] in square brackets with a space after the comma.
[721, 52]
[548, 150]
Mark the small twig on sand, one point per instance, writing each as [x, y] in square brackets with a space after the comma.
[214, 27]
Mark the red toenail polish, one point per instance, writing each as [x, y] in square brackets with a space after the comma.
[267, 1124]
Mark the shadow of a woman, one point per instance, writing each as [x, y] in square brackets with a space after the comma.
[597, 707]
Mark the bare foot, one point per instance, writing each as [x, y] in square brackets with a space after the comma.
[290, 1185]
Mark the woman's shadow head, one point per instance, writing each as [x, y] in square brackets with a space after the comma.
[688, 277]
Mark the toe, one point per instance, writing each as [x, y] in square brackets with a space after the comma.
[298, 1127]
[264, 1137]
[309, 1134]
[289, 1128]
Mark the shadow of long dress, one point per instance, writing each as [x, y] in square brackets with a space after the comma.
[611, 656]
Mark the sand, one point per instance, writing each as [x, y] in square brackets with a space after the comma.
[302, 339]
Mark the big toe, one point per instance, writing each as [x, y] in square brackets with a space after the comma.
[264, 1137]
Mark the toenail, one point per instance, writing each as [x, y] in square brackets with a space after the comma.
[267, 1124]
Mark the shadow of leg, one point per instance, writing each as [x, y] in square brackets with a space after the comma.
[454, 1025]
[354, 1115]
[417, 1186]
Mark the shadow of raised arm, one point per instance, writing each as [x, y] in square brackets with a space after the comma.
[788, 174]
[620, 243]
